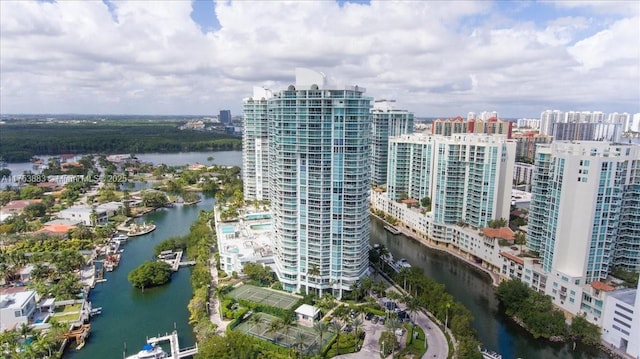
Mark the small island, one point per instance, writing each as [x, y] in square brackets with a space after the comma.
[150, 274]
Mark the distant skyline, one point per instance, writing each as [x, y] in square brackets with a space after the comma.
[435, 58]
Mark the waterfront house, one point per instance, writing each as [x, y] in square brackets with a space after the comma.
[15, 208]
[16, 308]
[84, 213]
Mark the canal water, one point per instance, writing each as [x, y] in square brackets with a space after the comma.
[129, 316]
[473, 288]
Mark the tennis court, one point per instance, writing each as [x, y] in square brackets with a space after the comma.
[261, 329]
[263, 295]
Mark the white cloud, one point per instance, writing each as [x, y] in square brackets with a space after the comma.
[433, 58]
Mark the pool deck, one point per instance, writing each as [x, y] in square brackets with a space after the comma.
[246, 240]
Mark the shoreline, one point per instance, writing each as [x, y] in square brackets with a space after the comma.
[495, 279]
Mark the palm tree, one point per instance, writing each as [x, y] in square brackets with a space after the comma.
[44, 342]
[335, 326]
[256, 320]
[412, 307]
[520, 239]
[24, 329]
[274, 327]
[382, 251]
[314, 272]
[393, 324]
[404, 272]
[355, 291]
[299, 341]
[367, 284]
[320, 327]
[356, 322]
[287, 323]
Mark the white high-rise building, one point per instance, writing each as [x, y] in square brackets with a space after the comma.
[635, 123]
[467, 176]
[319, 167]
[387, 122]
[255, 145]
[547, 119]
[583, 216]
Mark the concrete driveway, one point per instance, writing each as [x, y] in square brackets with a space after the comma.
[370, 348]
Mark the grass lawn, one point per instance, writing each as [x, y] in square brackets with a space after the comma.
[416, 347]
[67, 317]
[69, 308]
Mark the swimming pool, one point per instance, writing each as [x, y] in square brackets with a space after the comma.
[255, 216]
[227, 229]
[260, 227]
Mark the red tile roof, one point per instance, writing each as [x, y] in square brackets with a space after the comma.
[410, 201]
[57, 228]
[512, 257]
[602, 286]
[502, 233]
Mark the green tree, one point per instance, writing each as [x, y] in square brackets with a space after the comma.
[387, 342]
[497, 223]
[150, 274]
[154, 199]
[320, 327]
[336, 327]
[31, 192]
[584, 331]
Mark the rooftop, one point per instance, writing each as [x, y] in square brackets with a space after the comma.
[308, 310]
[626, 295]
[15, 300]
[602, 286]
[249, 239]
[502, 233]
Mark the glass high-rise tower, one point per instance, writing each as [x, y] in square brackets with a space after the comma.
[255, 145]
[319, 181]
[387, 122]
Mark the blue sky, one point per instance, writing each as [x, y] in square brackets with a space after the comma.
[435, 58]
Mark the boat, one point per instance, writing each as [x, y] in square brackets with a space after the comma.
[402, 263]
[120, 237]
[150, 351]
[489, 354]
[395, 231]
[95, 311]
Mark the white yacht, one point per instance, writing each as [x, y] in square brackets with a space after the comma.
[150, 351]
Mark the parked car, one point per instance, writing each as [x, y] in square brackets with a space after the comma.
[368, 316]
[353, 312]
[382, 319]
[347, 328]
[374, 319]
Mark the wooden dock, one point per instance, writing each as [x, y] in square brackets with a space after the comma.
[175, 261]
[176, 352]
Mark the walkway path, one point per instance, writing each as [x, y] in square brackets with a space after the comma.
[215, 309]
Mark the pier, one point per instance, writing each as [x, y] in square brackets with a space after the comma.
[176, 352]
[174, 259]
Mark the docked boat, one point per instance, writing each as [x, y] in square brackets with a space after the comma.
[150, 351]
[393, 230]
[120, 237]
[403, 263]
[489, 354]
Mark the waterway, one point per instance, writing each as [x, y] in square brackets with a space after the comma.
[473, 288]
[129, 316]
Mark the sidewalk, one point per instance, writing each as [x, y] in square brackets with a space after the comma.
[215, 311]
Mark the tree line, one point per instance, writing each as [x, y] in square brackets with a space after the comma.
[22, 141]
